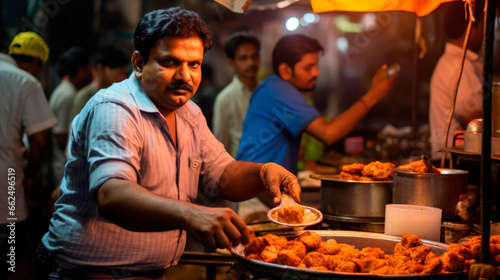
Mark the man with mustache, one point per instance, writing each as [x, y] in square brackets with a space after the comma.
[231, 104]
[140, 153]
[278, 113]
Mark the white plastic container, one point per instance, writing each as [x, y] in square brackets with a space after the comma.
[424, 221]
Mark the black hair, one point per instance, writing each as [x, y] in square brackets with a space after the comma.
[173, 22]
[455, 22]
[72, 59]
[111, 57]
[238, 38]
[290, 49]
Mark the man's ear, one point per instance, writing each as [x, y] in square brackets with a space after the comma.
[285, 71]
[137, 64]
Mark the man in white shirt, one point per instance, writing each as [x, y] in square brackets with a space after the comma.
[24, 110]
[231, 104]
[470, 94]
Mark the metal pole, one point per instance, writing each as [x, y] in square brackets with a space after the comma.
[486, 147]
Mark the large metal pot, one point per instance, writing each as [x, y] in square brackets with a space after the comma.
[430, 189]
[357, 199]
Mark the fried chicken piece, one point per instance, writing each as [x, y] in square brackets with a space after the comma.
[410, 240]
[288, 257]
[401, 250]
[419, 253]
[255, 257]
[376, 252]
[297, 247]
[310, 239]
[354, 168]
[270, 254]
[412, 267]
[417, 166]
[255, 246]
[346, 267]
[292, 214]
[349, 176]
[461, 250]
[397, 261]
[496, 258]
[365, 179]
[274, 240]
[302, 265]
[453, 262]
[370, 263]
[330, 247]
[315, 259]
[495, 239]
[321, 268]
[432, 265]
[379, 170]
[385, 270]
[347, 252]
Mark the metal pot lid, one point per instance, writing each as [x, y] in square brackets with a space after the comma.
[475, 126]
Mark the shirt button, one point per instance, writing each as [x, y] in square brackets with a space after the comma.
[196, 164]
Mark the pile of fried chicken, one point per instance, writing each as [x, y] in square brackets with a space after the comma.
[308, 250]
[374, 171]
[379, 171]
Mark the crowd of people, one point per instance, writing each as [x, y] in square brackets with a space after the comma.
[135, 161]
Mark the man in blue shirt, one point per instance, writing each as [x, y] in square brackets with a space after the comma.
[278, 113]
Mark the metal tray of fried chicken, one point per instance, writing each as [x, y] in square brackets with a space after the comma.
[360, 240]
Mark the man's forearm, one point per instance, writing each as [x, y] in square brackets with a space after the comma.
[135, 208]
[240, 181]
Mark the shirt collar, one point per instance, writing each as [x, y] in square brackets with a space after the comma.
[187, 112]
[240, 84]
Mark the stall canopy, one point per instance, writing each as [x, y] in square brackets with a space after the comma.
[419, 7]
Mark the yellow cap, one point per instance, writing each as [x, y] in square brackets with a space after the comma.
[30, 44]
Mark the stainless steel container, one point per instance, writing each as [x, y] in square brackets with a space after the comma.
[473, 137]
[430, 189]
[358, 199]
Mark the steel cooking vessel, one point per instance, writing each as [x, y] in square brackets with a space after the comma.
[430, 189]
[358, 199]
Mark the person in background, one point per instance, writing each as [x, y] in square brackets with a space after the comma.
[278, 113]
[231, 104]
[110, 66]
[25, 111]
[469, 102]
[140, 153]
[74, 68]
[207, 93]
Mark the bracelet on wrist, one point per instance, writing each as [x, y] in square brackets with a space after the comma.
[263, 173]
[362, 101]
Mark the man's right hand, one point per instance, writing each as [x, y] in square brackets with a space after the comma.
[381, 86]
[216, 227]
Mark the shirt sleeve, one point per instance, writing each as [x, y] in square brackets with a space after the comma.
[113, 144]
[37, 115]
